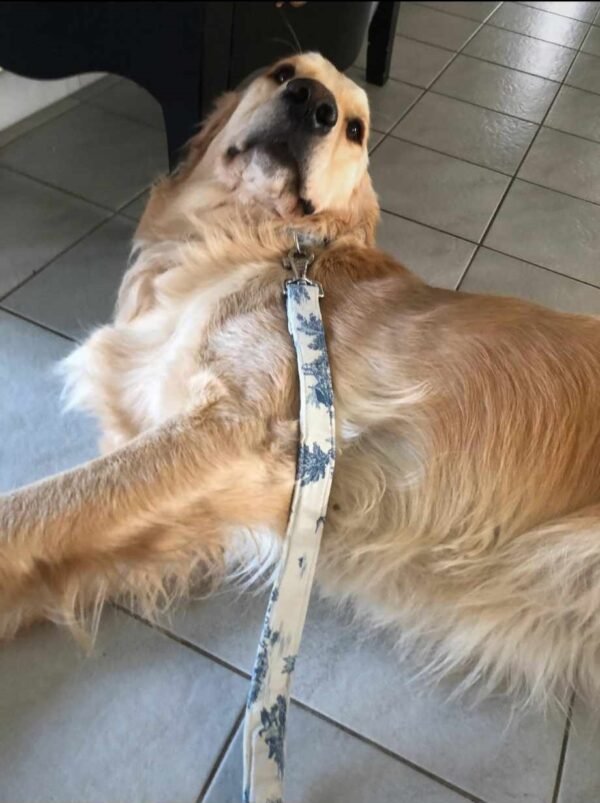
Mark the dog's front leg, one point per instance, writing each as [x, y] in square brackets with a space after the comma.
[142, 518]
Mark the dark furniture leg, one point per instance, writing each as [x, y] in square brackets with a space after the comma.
[188, 94]
[382, 31]
[181, 118]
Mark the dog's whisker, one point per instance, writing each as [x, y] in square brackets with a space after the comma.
[283, 41]
[290, 28]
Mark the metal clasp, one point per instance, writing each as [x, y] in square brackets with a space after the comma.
[299, 260]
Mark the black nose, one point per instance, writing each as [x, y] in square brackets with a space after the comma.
[312, 103]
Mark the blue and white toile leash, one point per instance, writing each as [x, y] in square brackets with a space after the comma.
[268, 698]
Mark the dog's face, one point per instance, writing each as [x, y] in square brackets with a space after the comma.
[295, 140]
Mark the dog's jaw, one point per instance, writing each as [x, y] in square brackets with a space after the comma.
[266, 168]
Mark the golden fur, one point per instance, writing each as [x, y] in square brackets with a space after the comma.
[466, 500]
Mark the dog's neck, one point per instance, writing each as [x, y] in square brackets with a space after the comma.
[192, 206]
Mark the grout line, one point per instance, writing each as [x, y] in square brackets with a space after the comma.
[591, 285]
[125, 116]
[576, 52]
[510, 184]
[558, 82]
[122, 116]
[582, 88]
[562, 82]
[491, 248]
[434, 79]
[98, 87]
[43, 326]
[524, 72]
[74, 97]
[560, 192]
[452, 13]
[451, 155]
[57, 256]
[76, 102]
[470, 261]
[523, 119]
[495, 169]
[539, 127]
[184, 642]
[29, 124]
[388, 133]
[479, 23]
[388, 752]
[588, 52]
[556, 13]
[430, 44]
[221, 755]
[429, 226]
[563, 751]
[488, 21]
[120, 210]
[42, 123]
[489, 108]
[402, 81]
[573, 50]
[55, 187]
[540, 39]
[571, 134]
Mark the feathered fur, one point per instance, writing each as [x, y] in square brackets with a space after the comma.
[466, 502]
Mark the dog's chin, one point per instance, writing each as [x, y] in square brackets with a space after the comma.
[268, 175]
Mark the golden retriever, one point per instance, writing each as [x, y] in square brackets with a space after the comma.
[466, 501]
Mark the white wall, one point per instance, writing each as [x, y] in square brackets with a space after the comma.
[20, 97]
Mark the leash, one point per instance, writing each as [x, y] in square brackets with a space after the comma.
[268, 698]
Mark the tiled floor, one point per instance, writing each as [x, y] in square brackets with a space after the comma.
[486, 157]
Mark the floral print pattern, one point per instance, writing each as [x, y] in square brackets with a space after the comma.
[268, 639]
[268, 698]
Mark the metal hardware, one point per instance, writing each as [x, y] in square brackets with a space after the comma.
[299, 260]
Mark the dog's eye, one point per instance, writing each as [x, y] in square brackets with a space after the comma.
[283, 73]
[355, 130]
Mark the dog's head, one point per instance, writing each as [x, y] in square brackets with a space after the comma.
[293, 142]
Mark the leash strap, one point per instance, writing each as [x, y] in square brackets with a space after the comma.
[268, 698]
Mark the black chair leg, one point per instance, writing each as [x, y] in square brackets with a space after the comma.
[200, 76]
[382, 31]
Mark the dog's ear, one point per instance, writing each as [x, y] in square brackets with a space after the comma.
[359, 217]
[364, 210]
[211, 127]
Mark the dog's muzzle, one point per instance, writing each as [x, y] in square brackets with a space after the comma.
[281, 142]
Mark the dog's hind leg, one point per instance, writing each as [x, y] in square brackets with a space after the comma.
[144, 517]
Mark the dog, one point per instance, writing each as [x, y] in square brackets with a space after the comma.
[465, 508]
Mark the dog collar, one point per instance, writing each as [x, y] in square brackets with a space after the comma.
[268, 698]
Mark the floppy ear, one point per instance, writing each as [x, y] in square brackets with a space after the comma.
[216, 121]
[165, 190]
[364, 210]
